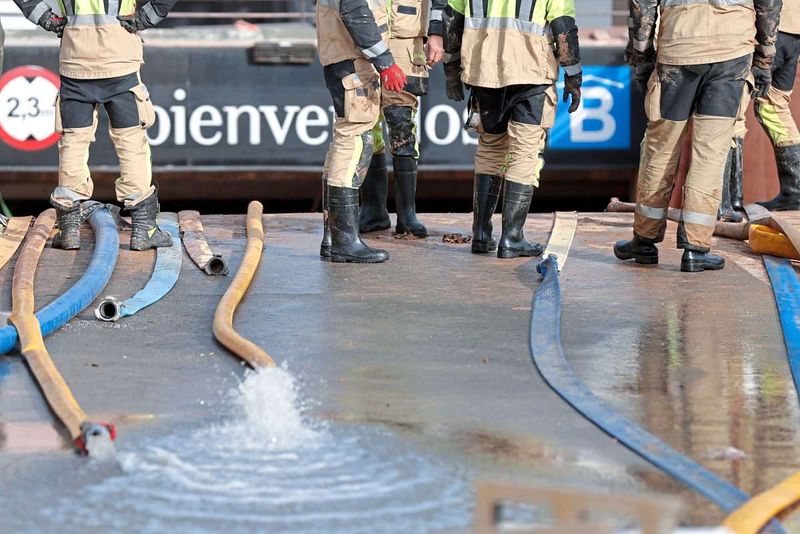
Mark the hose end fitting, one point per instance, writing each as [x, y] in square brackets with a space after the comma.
[216, 266]
[91, 432]
[109, 309]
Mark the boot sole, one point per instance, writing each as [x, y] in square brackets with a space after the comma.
[482, 248]
[507, 254]
[374, 227]
[325, 251]
[403, 230]
[336, 258]
[641, 260]
[692, 267]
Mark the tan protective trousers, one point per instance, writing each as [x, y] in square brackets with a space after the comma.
[513, 131]
[676, 94]
[357, 101]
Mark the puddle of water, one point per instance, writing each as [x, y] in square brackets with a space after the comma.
[268, 467]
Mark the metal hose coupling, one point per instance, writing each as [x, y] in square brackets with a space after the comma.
[216, 266]
[109, 310]
[93, 431]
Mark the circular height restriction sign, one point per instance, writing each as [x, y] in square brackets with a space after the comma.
[27, 108]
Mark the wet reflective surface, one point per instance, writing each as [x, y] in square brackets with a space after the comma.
[415, 380]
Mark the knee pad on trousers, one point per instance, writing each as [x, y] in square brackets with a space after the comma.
[402, 130]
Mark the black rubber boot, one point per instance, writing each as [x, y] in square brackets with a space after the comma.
[726, 212]
[695, 262]
[788, 160]
[516, 203]
[641, 250]
[68, 219]
[346, 245]
[325, 246]
[145, 233]
[737, 175]
[484, 203]
[374, 193]
[405, 188]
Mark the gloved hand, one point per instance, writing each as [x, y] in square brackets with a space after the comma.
[393, 78]
[52, 22]
[763, 78]
[136, 22]
[642, 73]
[453, 86]
[572, 87]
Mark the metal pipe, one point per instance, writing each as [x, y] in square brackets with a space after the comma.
[223, 316]
[78, 297]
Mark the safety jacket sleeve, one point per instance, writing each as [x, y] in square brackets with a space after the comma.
[768, 17]
[561, 16]
[157, 10]
[642, 24]
[436, 26]
[453, 25]
[360, 23]
[33, 9]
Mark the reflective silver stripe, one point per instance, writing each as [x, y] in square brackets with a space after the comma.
[477, 6]
[642, 46]
[572, 70]
[658, 214]
[525, 8]
[91, 20]
[501, 23]
[675, 3]
[704, 219]
[436, 14]
[113, 7]
[69, 9]
[40, 9]
[375, 50]
[333, 4]
[152, 16]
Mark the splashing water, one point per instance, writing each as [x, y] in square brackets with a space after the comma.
[268, 467]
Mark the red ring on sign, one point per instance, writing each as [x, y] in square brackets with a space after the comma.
[29, 71]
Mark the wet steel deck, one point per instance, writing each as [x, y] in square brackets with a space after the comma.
[434, 346]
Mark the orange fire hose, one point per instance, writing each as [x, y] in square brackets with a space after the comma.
[758, 511]
[12, 236]
[52, 384]
[223, 316]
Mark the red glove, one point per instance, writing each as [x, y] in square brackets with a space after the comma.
[393, 79]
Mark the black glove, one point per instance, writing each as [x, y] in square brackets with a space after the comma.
[52, 22]
[453, 86]
[642, 73]
[136, 22]
[572, 87]
[763, 77]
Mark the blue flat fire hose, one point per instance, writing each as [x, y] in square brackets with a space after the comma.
[78, 297]
[786, 289]
[165, 276]
[548, 357]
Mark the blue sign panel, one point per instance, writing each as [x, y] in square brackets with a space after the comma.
[603, 120]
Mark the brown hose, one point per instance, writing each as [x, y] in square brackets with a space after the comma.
[12, 236]
[739, 231]
[196, 245]
[223, 316]
[55, 389]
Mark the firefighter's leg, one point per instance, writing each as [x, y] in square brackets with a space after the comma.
[355, 89]
[490, 165]
[131, 113]
[375, 191]
[732, 183]
[776, 118]
[532, 114]
[669, 100]
[325, 246]
[76, 119]
[718, 103]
